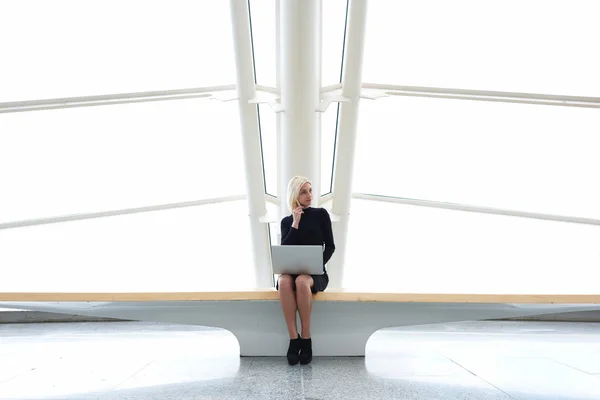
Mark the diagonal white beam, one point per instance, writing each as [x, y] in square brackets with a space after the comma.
[240, 23]
[483, 95]
[346, 137]
[476, 209]
[108, 99]
[114, 213]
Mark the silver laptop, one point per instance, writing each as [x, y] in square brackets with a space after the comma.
[297, 259]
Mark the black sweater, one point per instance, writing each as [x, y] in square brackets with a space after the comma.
[314, 229]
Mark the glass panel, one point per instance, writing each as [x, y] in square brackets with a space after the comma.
[410, 249]
[268, 134]
[91, 159]
[334, 24]
[514, 156]
[263, 15]
[328, 135]
[536, 46]
[187, 249]
[76, 48]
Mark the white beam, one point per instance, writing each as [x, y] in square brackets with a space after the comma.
[476, 209]
[108, 99]
[240, 22]
[114, 213]
[278, 118]
[483, 95]
[346, 137]
[300, 79]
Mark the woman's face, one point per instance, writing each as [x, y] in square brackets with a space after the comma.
[305, 196]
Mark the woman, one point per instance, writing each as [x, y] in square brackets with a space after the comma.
[305, 226]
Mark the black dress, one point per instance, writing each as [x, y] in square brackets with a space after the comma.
[314, 229]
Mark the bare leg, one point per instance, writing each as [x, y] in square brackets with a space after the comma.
[288, 304]
[304, 299]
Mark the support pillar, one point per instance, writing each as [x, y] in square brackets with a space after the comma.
[240, 22]
[346, 137]
[300, 80]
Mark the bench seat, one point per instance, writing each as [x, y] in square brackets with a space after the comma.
[329, 295]
[342, 320]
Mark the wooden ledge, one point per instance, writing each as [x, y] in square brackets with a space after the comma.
[329, 295]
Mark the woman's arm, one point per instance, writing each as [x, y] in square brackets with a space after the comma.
[327, 236]
[288, 233]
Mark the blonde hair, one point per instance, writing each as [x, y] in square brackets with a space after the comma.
[293, 191]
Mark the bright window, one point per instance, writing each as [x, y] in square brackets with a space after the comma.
[263, 15]
[514, 156]
[411, 249]
[329, 123]
[334, 25]
[91, 159]
[64, 48]
[268, 135]
[535, 46]
[187, 249]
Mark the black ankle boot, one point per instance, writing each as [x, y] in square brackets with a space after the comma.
[305, 351]
[293, 353]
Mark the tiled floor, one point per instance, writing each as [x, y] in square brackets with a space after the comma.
[466, 361]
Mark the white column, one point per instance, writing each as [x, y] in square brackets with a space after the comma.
[240, 22]
[300, 80]
[346, 137]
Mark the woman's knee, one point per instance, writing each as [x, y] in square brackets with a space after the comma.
[286, 282]
[304, 281]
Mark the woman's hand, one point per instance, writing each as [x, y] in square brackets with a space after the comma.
[297, 214]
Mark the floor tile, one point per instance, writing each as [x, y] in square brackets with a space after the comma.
[494, 360]
[527, 378]
[580, 358]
